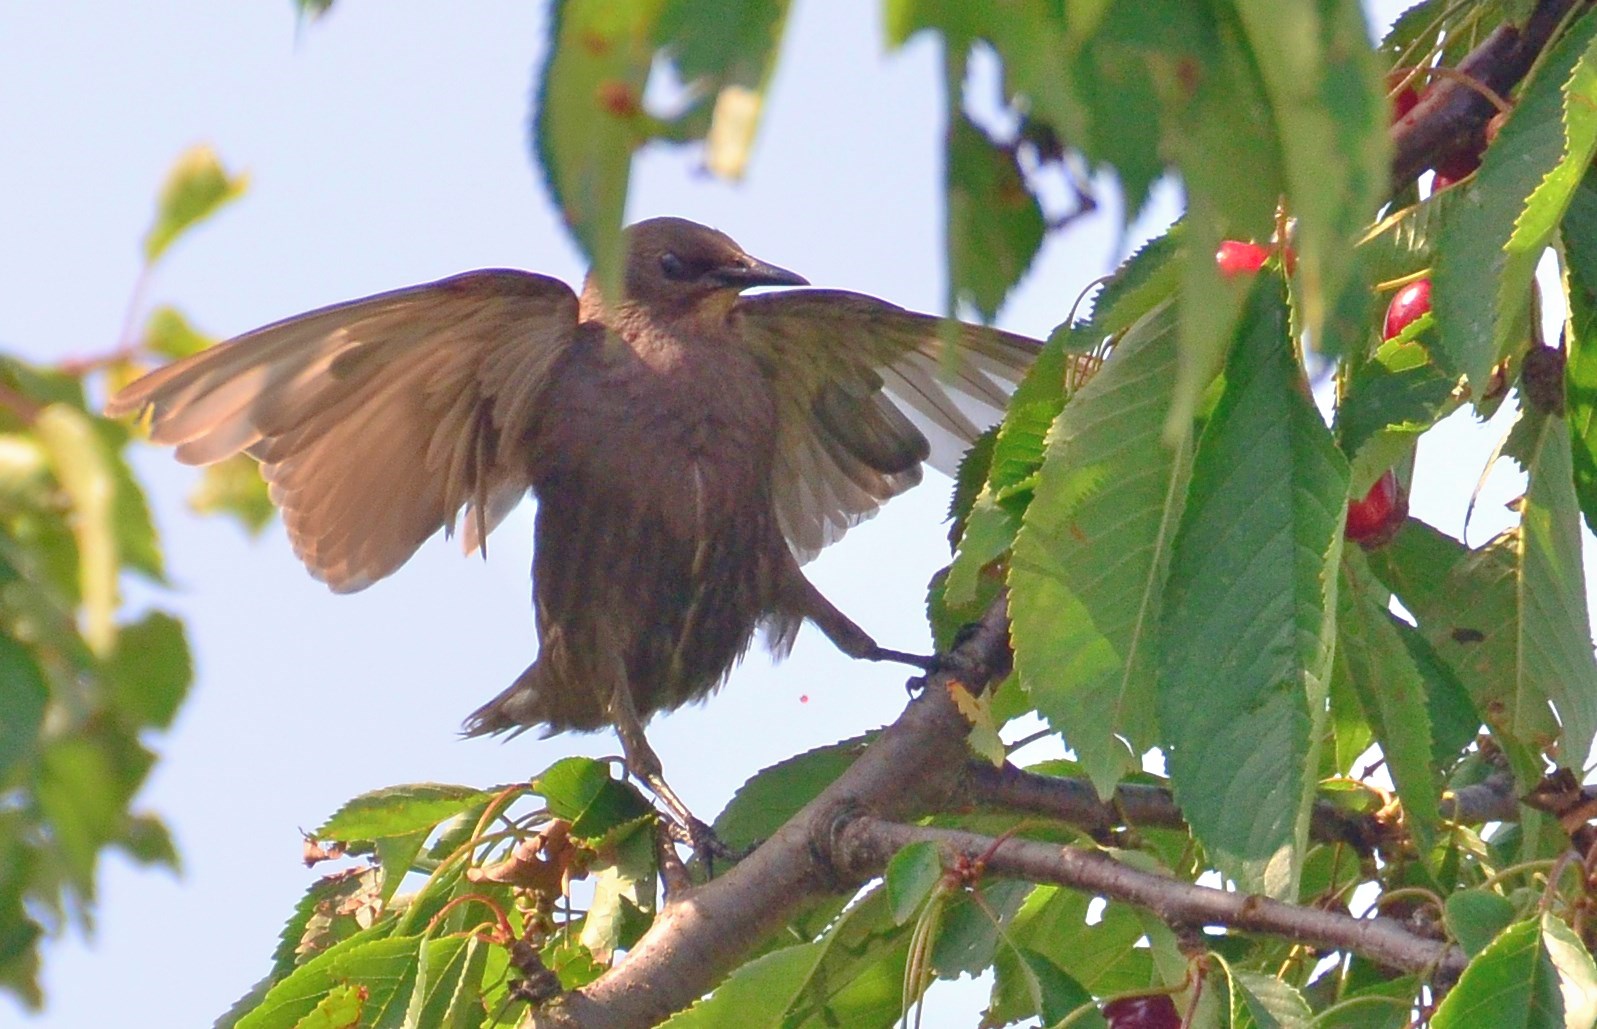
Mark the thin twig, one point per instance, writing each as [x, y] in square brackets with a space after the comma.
[865, 843]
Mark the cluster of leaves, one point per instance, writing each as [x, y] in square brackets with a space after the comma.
[1174, 549]
[83, 680]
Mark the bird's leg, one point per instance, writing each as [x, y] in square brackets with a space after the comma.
[849, 637]
[643, 762]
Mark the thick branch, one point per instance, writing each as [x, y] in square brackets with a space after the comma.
[864, 844]
[1075, 802]
[705, 932]
[1451, 116]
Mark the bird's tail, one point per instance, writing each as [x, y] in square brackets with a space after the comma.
[514, 711]
[538, 699]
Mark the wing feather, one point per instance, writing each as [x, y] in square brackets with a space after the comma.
[867, 396]
[377, 421]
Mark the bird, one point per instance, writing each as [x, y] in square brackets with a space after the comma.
[689, 448]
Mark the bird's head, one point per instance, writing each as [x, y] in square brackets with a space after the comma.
[676, 264]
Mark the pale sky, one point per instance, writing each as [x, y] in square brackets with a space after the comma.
[387, 145]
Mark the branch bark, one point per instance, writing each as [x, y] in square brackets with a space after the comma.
[1075, 802]
[864, 844]
[1451, 116]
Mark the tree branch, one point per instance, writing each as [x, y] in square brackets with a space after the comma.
[1451, 116]
[864, 844]
[913, 767]
[1075, 802]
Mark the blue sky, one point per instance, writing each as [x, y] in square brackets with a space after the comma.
[387, 145]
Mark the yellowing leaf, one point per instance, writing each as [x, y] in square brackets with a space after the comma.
[978, 710]
[194, 189]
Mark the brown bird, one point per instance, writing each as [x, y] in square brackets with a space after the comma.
[689, 448]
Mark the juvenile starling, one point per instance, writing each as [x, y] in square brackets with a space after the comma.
[689, 448]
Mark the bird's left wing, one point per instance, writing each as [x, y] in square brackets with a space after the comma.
[376, 421]
[844, 447]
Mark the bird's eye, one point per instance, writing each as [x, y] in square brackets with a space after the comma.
[673, 267]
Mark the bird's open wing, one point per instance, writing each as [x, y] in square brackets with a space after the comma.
[844, 447]
[375, 421]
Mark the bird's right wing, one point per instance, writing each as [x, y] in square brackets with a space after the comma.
[867, 395]
[375, 421]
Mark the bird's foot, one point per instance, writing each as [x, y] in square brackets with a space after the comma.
[707, 846]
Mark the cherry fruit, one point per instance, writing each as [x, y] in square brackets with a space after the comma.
[1376, 519]
[1150, 1011]
[1407, 304]
[1237, 258]
[1404, 99]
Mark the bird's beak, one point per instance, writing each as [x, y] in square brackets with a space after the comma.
[758, 273]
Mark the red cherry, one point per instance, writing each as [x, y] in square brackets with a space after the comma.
[1459, 166]
[1151, 1011]
[1238, 258]
[1404, 99]
[1407, 304]
[1375, 519]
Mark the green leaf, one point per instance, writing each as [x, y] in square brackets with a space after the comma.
[1103, 950]
[758, 993]
[399, 810]
[310, 929]
[1395, 396]
[1454, 720]
[993, 515]
[1475, 917]
[1545, 207]
[23, 696]
[1249, 611]
[1467, 604]
[1557, 663]
[773, 795]
[168, 333]
[968, 932]
[146, 840]
[1490, 246]
[583, 792]
[1383, 1004]
[84, 466]
[623, 898]
[1090, 560]
[1049, 992]
[194, 189]
[149, 671]
[1509, 985]
[343, 1007]
[726, 49]
[84, 784]
[1577, 974]
[912, 874]
[1328, 108]
[1143, 281]
[137, 545]
[448, 989]
[590, 118]
[384, 968]
[233, 486]
[1580, 344]
[1371, 654]
[573, 963]
[995, 225]
[396, 856]
[1271, 1002]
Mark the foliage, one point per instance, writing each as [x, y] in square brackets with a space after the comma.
[84, 679]
[1170, 532]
